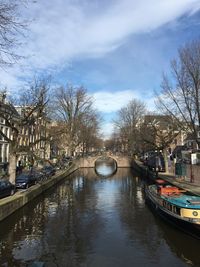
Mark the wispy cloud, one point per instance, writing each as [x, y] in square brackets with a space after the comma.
[64, 30]
[108, 102]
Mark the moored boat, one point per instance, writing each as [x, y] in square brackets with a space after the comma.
[176, 205]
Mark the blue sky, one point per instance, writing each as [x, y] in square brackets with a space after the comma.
[117, 49]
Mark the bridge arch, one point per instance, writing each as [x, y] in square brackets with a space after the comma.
[105, 166]
[89, 162]
[104, 158]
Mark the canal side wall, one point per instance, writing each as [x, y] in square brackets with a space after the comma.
[143, 170]
[11, 204]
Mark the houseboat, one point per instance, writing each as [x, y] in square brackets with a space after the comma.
[175, 205]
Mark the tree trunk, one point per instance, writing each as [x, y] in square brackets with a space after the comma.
[12, 167]
[165, 160]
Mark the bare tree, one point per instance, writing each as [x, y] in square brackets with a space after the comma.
[114, 143]
[73, 108]
[127, 122]
[11, 26]
[89, 131]
[31, 102]
[157, 133]
[180, 95]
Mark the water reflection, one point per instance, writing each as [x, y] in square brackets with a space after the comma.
[93, 221]
[105, 166]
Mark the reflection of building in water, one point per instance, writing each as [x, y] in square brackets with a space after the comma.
[78, 183]
[27, 226]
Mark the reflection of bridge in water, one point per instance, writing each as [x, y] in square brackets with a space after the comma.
[89, 162]
[105, 166]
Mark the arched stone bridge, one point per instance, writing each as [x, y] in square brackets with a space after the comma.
[89, 162]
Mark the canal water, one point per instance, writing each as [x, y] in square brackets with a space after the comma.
[94, 221]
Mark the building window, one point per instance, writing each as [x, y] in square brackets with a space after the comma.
[170, 127]
[1, 137]
[6, 132]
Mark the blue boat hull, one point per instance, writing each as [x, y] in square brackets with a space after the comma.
[188, 227]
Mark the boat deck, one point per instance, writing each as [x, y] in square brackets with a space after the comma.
[190, 187]
[185, 201]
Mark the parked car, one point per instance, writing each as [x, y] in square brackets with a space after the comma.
[48, 170]
[25, 180]
[38, 174]
[6, 188]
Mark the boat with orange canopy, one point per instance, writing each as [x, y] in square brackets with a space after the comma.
[176, 205]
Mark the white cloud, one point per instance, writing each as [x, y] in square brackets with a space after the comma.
[64, 30]
[107, 102]
[11, 78]
[107, 129]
